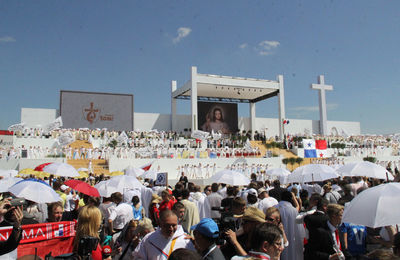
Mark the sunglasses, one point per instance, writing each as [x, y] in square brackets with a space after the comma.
[273, 219]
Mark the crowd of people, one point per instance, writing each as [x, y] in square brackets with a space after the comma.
[160, 144]
[264, 220]
[354, 146]
[130, 145]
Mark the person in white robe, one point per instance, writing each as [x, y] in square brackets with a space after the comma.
[159, 245]
[295, 233]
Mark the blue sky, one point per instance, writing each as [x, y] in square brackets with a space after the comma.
[138, 47]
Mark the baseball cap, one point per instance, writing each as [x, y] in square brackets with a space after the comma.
[207, 227]
[64, 187]
[252, 192]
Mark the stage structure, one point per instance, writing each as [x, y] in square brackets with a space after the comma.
[226, 89]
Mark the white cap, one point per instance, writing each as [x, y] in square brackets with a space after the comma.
[64, 187]
[252, 192]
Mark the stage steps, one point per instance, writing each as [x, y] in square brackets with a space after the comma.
[81, 143]
[278, 151]
[99, 166]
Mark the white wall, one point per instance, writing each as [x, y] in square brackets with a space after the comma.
[149, 121]
[171, 165]
[28, 142]
[33, 117]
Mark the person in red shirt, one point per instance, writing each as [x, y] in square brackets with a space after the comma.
[154, 212]
[167, 200]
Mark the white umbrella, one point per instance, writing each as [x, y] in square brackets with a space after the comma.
[375, 207]
[34, 190]
[149, 175]
[135, 172]
[311, 173]
[365, 168]
[103, 190]
[230, 177]
[61, 169]
[279, 173]
[8, 173]
[6, 183]
[117, 184]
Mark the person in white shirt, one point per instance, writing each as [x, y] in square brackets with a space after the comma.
[214, 200]
[166, 239]
[120, 215]
[71, 204]
[265, 200]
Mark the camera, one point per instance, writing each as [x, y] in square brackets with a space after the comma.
[86, 245]
[13, 203]
[16, 202]
[227, 221]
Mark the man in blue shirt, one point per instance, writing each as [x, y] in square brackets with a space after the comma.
[354, 237]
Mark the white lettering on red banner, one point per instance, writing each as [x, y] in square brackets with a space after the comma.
[43, 231]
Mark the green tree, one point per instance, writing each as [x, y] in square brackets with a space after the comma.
[292, 161]
[299, 160]
[370, 159]
[285, 161]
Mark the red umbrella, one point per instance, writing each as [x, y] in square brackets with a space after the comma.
[40, 167]
[83, 187]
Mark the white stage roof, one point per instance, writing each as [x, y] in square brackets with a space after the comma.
[229, 89]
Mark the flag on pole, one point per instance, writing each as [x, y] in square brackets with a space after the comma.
[147, 166]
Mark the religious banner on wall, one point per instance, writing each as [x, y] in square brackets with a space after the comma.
[96, 110]
[218, 117]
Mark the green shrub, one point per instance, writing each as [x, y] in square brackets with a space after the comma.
[370, 159]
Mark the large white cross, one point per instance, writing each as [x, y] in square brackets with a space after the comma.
[322, 103]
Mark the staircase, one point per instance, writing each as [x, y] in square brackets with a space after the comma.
[99, 166]
[278, 151]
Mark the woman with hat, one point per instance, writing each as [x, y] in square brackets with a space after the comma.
[239, 241]
[154, 213]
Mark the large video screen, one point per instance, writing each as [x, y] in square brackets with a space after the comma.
[96, 110]
[220, 117]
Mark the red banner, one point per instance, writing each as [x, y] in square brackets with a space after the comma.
[43, 231]
[55, 237]
[6, 132]
[56, 247]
